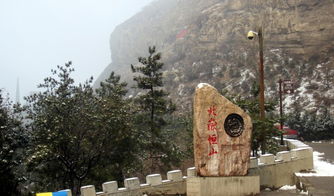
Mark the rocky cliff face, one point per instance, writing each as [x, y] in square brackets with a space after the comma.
[205, 41]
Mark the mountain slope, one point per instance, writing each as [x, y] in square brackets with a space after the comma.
[205, 41]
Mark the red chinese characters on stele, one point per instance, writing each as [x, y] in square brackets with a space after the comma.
[212, 128]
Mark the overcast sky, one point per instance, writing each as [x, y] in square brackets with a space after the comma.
[38, 35]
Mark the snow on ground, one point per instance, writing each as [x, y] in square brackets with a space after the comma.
[288, 187]
[321, 167]
[289, 99]
[244, 75]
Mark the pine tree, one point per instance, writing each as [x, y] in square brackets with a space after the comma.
[311, 126]
[13, 140]
[112, 88]
[116, 116]
[263, 129]
[78, 136]
[153, 107]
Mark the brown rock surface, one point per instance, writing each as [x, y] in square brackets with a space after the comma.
[298, 45]
[218, 151]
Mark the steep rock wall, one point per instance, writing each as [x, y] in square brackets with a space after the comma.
[205, 41]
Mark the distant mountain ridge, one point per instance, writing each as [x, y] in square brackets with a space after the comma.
[205, 41]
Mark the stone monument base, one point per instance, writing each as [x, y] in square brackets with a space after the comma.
[225, 186]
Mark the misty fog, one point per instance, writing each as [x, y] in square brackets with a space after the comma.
[38, 35]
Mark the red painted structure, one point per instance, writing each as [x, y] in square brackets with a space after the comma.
[182, 34]
[288, 132]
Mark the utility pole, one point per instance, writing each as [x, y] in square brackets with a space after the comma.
[261, 72]
[250, 36]
[281, 108]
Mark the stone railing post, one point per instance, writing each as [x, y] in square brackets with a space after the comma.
[154, 179]
[283, 156]
[110, 187]
[267, 159]
[191, 172]
[132, 183]
[175, 175]
[253, 162]
[88, 190]
[301, 153]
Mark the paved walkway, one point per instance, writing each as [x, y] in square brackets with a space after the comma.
[327, 148]
[316, 185]
[319, 186]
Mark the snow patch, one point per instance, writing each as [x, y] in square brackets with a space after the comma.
[275, 50]
[201, 85]
[288, 187]
[302, 89]
[288, 100]
[266, 155]
[321, 167]
[276, 66]
[244, 75]
[330, 94]
[181, 89]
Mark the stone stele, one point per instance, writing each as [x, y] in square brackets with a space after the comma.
[222, 134]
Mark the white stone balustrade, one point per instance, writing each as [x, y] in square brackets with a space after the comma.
[144, 185]
[267, 159]
[122, 189]
[287, 162]
[154, 179]
[253, 162]
[283, 156]
[88, 190]
[175, 175]
[132, 183]
[293, 144]
[191, 172]
[300, 153]
[166, 181]
[110, 187]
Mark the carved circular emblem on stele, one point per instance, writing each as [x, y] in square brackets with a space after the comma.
[234, 125]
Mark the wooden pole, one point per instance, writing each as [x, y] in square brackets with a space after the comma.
[281, 108]
[261, 72]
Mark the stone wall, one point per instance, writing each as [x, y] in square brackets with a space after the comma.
[274, 172]
[174, 185]
[277, 171]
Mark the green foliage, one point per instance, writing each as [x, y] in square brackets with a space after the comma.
[13, 138]
[183, 124]
[310, 126]
[77, 136]
[263, 135]
[116, 116]
[153, 106]
[263, 129]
